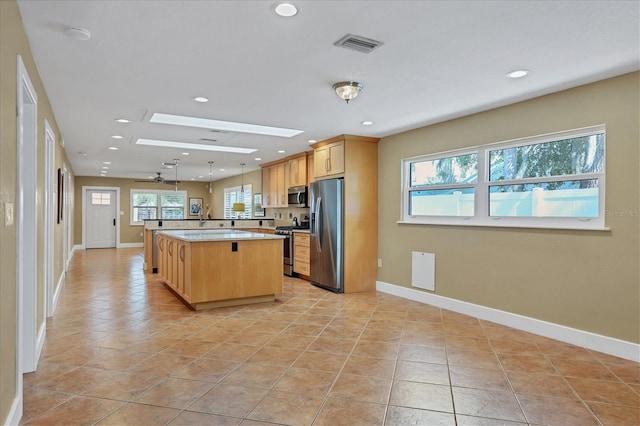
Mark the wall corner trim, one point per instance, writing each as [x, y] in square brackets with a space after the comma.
[585, 339]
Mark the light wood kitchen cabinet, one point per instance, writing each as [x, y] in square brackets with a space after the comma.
[162, 257]
[298, 171]
[282, 170]
[329, 159]
[301, 253]
[221, 271]
[268, 200]
[183, 270]
[355, 158]
[279, 176]
[310, 166]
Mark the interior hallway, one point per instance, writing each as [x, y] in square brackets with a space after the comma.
[121, 349]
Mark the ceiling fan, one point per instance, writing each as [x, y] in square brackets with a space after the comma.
[159, 179]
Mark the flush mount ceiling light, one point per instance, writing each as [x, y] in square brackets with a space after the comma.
[78, 33]
[195, 146]
[286, 10]
[116, 137]
[113, 148]
[123, 120]
[367, 123]
[347, 90]
[201, 99]
[206, 123]
[518, 73]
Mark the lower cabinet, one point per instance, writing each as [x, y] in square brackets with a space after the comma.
[301, 253]
[174, 258]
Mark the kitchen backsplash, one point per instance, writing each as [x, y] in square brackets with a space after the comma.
[283, 217]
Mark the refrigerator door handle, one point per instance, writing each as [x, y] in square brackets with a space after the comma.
[319, 223]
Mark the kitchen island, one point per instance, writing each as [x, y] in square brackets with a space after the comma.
[215, 268]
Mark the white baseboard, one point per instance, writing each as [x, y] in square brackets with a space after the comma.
[58, 292]
[585, 339]
[129, 245]
[40, 339]
[76, 247]
[15, 413]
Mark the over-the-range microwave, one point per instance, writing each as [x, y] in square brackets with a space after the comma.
[298, 196]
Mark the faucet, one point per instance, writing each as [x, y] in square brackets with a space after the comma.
[200, 216]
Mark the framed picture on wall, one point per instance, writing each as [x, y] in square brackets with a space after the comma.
[195, 206]
[60, 212]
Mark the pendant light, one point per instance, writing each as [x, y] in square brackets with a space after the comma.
[210, 177]
[239, 207]
[176, 160]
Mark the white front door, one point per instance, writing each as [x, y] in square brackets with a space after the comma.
[101, 218]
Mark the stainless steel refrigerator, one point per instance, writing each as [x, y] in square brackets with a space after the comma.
[327, 231]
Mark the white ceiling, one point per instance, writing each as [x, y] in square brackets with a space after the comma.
[440, 60]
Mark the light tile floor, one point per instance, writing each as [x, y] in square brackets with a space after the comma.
[121, 349]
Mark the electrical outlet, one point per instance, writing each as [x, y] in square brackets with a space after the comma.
[379, 263]
[141, 234]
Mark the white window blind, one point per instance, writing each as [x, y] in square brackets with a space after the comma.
[236, 195]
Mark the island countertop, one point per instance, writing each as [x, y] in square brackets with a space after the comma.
[196, 235]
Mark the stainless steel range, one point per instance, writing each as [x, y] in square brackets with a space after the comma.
[287, 261]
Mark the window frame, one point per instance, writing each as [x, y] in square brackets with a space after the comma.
[158, 193]
[228, 212]
[481, 195]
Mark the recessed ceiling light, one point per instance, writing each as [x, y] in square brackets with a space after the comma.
[123, 120]
[222, 170]
[518, 73]
[201, 99]
[281, 151]
[78, 33]
[194, 146]
[200, 177]
[312, 141]
[84, 154]
[113, 148]
[258, 159]
[193, 178]
[286, 9]
[150, 177]
[105, 168]
[116, 137]
[106, 162]
[181, 120]
[184, 153]
[367, 123]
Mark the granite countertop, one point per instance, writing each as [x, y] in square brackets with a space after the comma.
[197, 235]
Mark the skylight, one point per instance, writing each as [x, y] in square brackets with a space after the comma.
[196, 146]
[181, 120]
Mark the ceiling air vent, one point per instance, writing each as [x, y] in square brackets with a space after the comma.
[209, 140]
[358, 43]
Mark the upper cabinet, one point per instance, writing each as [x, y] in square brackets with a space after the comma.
[329, 159]
[279, 176]
[298, 171]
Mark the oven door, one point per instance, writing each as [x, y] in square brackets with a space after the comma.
[288, 255]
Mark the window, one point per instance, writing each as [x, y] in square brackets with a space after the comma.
[101, 198]
[550, 181]
[150, 204]
[236, 195]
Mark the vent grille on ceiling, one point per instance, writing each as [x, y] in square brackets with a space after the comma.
[358, 43]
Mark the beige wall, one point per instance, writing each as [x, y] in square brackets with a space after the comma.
[13, 42]
[587, 280]
[128, 233]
